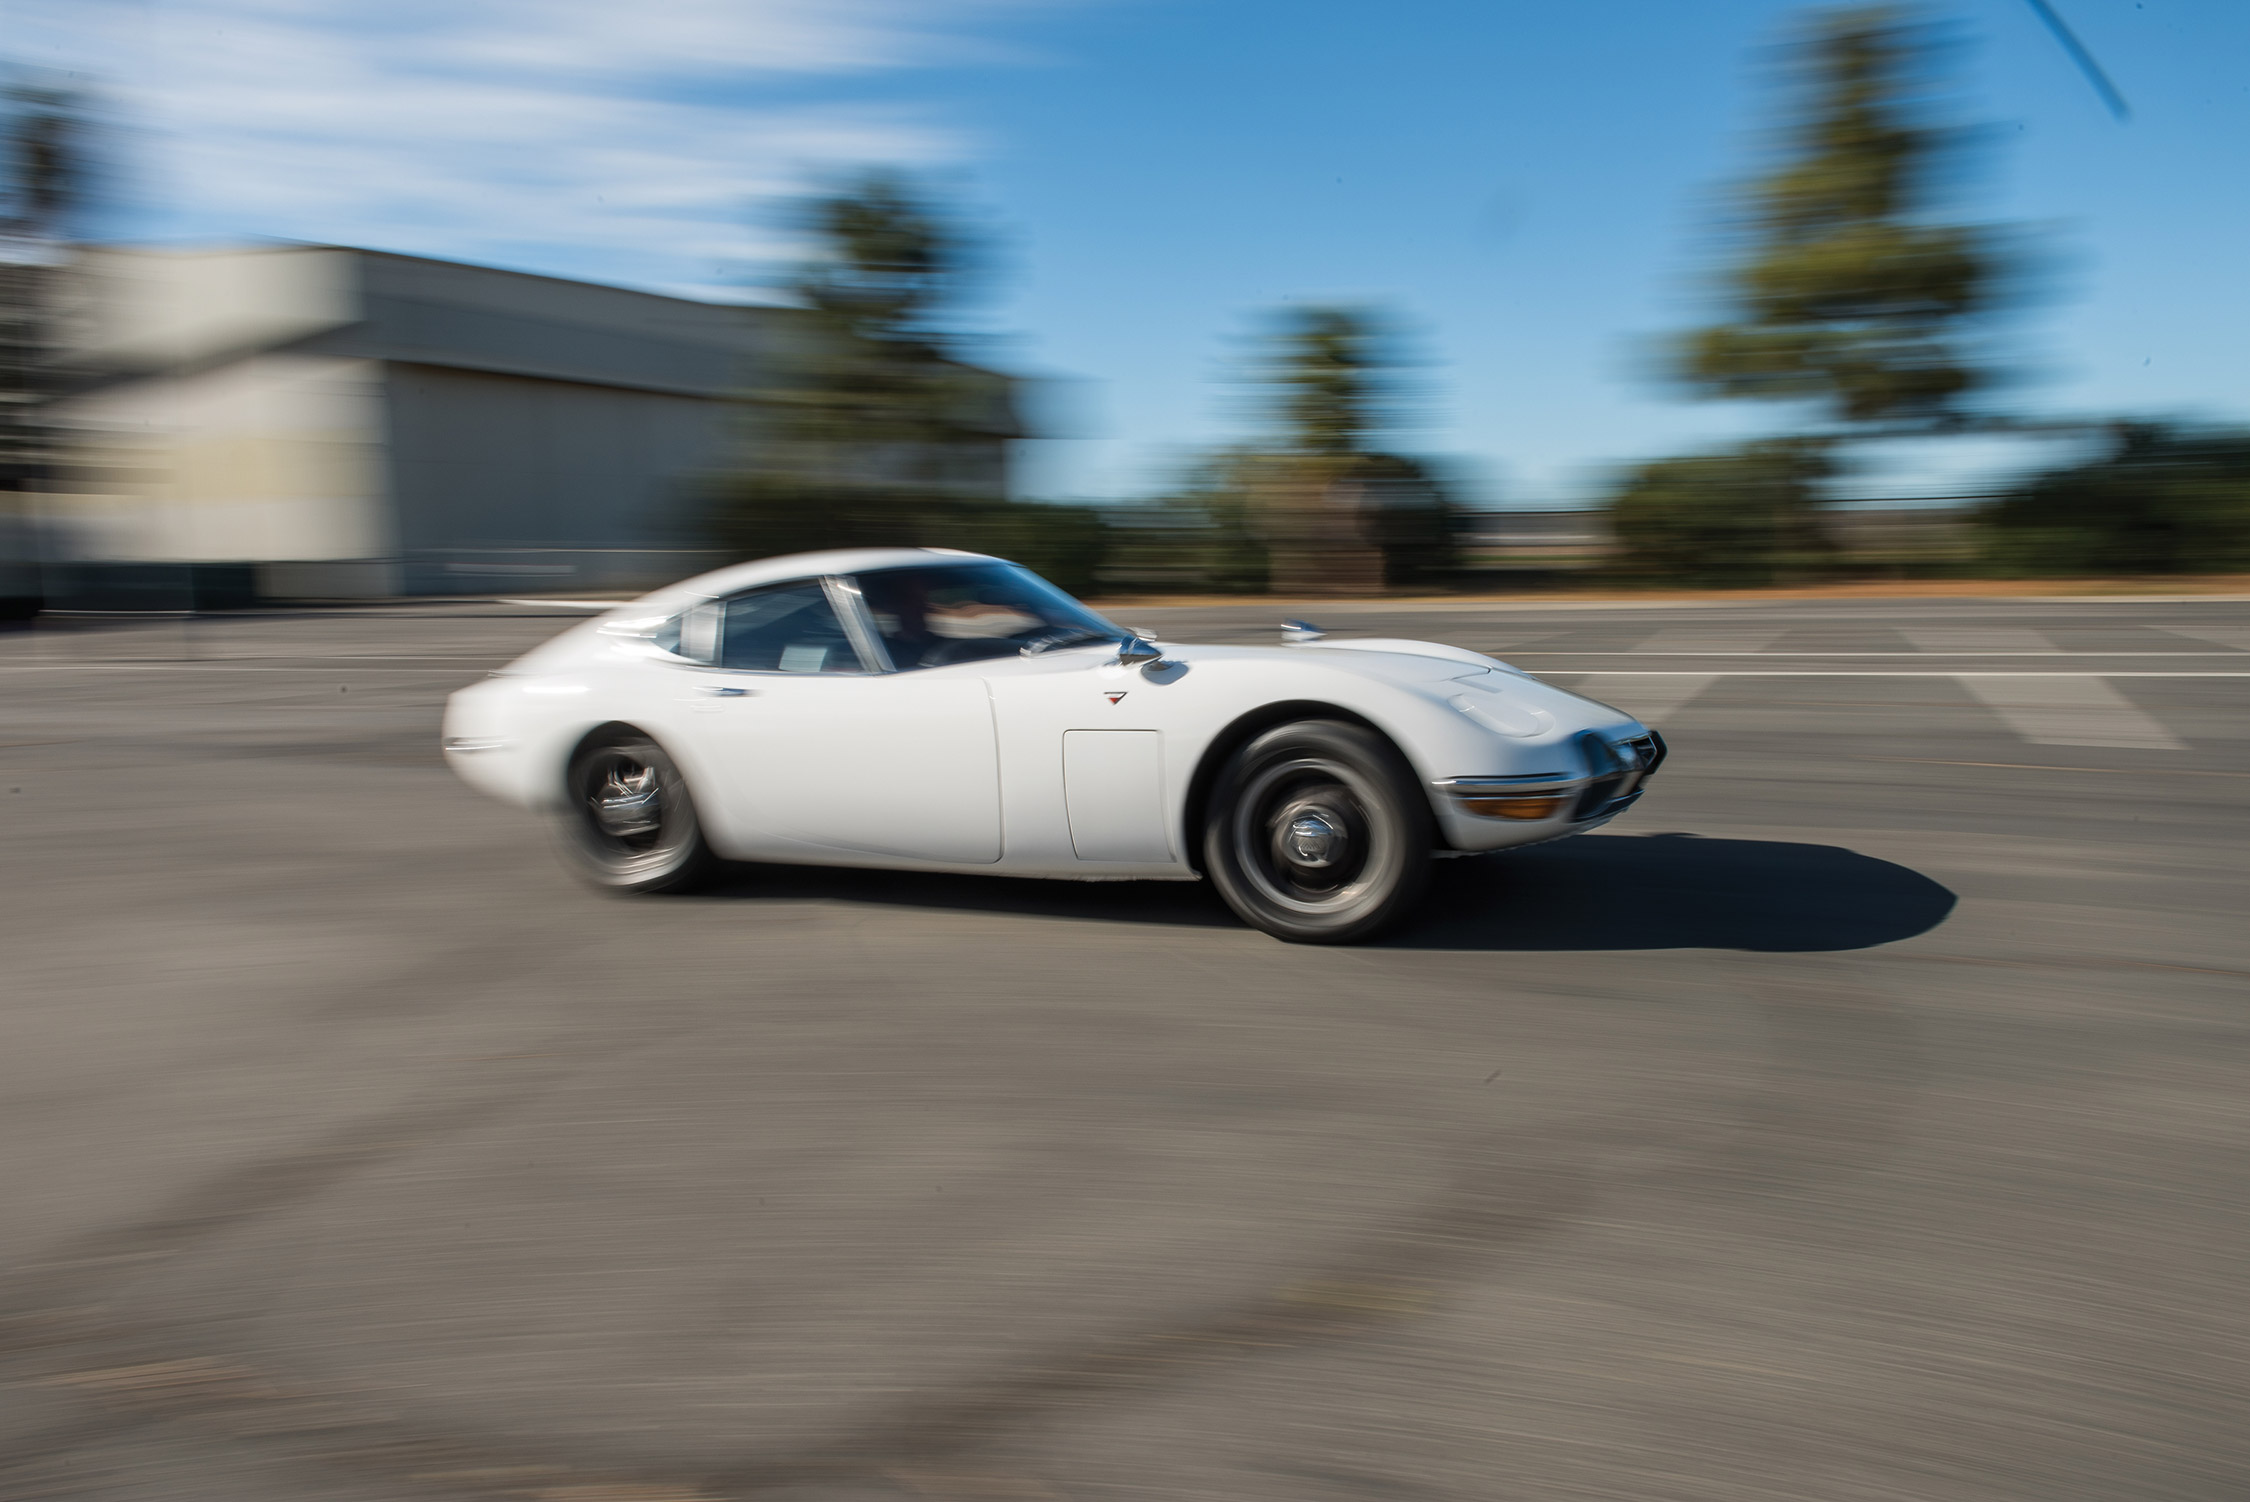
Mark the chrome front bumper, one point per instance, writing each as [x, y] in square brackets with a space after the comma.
[1616, 775]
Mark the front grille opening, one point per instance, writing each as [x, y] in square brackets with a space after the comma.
[1597, 797]
[1619, 773]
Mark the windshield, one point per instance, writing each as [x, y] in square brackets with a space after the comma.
[965, 612]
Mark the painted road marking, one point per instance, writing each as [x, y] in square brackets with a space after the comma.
[1714, 637]
[2010, 640]
[2068, 709]
[1890, 673]
[346, 665]
[1840, 656]
[2236, 637]
[1653, 698]
[2027, 766]
[2048, 709]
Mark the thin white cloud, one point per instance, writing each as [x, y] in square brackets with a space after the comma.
[590, 137]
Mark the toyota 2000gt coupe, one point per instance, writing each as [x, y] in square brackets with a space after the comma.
[930, 710]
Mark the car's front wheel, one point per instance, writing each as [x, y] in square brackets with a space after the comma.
[629, 823]
[1318, 833]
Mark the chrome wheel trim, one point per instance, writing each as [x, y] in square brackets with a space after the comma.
[632, 818]
[629, 803]
[1306, 836]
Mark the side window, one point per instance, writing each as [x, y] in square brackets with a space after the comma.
[788, 628]
[950, 613]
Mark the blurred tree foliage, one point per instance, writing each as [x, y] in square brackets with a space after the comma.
[1200, 539]
[43, 178]
[865, 429]
[1845, 292]
[1335, 511]
[1332, 371]
[1319, 506]
[2165, 499]
[1739, 518]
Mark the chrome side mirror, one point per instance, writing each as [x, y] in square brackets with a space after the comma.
[1133, 650]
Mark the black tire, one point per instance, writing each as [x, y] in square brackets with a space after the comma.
[628, 821]
[1318, 833]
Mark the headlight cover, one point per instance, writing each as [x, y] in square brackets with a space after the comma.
[1492, 708]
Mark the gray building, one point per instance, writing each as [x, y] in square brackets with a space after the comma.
[322, 422]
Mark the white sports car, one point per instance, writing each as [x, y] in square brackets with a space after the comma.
[931, 710]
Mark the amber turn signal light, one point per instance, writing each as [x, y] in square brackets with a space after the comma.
[1512, 808]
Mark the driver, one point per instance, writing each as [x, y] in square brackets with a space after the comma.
[903, 597]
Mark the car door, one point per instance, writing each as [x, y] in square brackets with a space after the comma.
[821, 757]
[1089, 782]
[1088, 770]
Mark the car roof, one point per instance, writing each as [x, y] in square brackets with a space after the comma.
[811, 565]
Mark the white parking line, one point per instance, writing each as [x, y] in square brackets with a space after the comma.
[2011, 640]
[1891, 673]
[2048, 709]
[2068, 709]
[2236, 637]
[1652, 698]
[1714, 637]
[1841, 656]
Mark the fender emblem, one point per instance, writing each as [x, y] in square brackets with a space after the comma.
[1113, 697]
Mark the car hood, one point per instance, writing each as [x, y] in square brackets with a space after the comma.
[1485, 688]
[1399, 661]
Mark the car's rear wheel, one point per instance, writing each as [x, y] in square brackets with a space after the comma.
[1318, 833]
[630, 823]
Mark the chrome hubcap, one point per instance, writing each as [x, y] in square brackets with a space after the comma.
[1315, 838]
[628, 801]
[633, 821]
[1305, 834]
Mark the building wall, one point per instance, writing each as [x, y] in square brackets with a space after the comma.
[134, 311]
[500, 481]
[421, 312]
[278, 456]
[348, 422]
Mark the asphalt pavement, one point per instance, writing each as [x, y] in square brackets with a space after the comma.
[1862, 1116]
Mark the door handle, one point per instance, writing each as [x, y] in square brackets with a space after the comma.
[718, 691]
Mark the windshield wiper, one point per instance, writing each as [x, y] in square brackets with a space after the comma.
[1064, 636]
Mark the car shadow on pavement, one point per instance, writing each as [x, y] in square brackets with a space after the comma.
[1666, 891]
[1674, 891]
[1191, 904]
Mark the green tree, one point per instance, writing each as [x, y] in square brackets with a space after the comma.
[863, 388]
[1202, 537]
[2165, 499]
[1848, 292]
[1335, 510]
[42, 184]
[866, 428]
[1740, 518]
[1332, 369]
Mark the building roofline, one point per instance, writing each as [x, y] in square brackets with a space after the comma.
[295, 247]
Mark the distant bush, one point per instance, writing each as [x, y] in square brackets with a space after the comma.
[2165, 500]
[1250, 521]
[1411, 517]
[1198, 543]
[760, 516]
[1747, 516]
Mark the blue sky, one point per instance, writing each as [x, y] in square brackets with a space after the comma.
[1524, 186]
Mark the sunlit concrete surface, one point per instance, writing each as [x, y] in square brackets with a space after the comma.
[1862, 1116]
